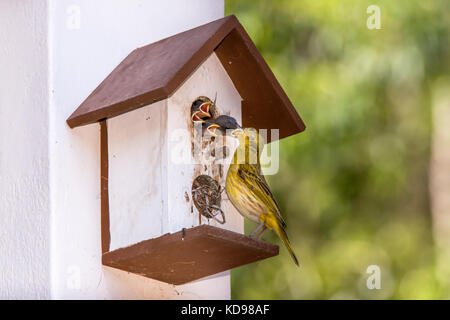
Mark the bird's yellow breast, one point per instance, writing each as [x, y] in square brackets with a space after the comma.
[242, 196]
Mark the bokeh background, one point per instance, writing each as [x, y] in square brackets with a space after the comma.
[363, 185]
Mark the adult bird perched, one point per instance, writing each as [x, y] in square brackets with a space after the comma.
[246, 186]
[200, 109]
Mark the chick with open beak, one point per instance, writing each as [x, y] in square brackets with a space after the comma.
[222, 125]
[200, 109]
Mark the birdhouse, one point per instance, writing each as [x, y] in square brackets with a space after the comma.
[163, 212]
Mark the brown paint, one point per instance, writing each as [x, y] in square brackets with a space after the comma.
[154, 72]
[205, 250]
[105, 231]
[265, 105]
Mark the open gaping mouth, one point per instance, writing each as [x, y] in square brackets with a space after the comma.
[212, 129]
[202, 113]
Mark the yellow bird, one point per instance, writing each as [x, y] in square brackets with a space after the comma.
[246, 186]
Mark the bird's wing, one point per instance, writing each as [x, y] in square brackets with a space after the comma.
[256, 183]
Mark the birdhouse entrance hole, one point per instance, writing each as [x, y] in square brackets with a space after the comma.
[207, 196]
[199, 105]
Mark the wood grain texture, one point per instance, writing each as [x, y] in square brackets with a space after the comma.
[105, 232]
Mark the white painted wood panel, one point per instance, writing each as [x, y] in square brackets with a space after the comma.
[135, 142]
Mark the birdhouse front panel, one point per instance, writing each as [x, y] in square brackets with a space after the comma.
[204, 156]
[156, 153]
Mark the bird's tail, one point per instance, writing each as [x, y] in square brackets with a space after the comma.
[279, 230]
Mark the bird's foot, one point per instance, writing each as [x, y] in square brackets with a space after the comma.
[261, 233]
[256, 230]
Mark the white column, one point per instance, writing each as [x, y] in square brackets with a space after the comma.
[24, 162]
[56, 52]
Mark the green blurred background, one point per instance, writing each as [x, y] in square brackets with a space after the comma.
[354, 187]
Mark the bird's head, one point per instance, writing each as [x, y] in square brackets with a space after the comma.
[224, 125]
[200, 109]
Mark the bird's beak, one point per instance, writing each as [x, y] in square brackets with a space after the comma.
[204, 108]
[237, 132]
[196, 117]
[212, 129]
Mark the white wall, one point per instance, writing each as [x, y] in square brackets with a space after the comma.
[24, 163]
[39, 151]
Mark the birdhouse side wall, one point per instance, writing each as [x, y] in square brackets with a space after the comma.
[137, 183]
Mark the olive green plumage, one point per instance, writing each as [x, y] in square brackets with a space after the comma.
[248, 190]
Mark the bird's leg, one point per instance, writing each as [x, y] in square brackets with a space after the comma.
[217, 210]
[256, 230]
[261, 233]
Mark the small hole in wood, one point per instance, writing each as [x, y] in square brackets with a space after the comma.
[207, 197]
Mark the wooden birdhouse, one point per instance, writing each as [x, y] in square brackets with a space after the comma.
[163, 212]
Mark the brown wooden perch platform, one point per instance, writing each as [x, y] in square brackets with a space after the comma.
[205, 251]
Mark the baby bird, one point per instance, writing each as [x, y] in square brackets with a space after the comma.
[200, 109]
[220, 125]
[246, 186]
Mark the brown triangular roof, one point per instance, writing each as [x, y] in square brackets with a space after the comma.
[154, 72]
